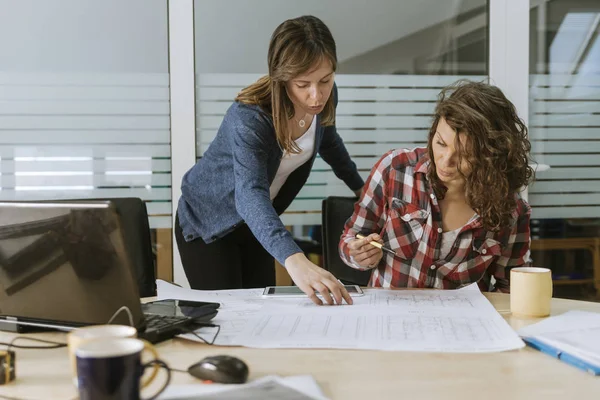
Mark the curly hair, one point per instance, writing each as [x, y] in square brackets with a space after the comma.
[496, 149]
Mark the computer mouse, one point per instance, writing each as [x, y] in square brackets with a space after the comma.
[220, 369]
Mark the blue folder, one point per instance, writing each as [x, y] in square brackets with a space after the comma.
[563, 356]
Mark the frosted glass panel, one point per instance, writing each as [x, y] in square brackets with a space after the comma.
[84, 101]
[565, 109]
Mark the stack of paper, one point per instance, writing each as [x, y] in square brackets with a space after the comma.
[573, 337]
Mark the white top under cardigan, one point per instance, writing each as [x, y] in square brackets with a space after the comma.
[291, 162]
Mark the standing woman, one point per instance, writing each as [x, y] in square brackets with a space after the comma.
[227, 227]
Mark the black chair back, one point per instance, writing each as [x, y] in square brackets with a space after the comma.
[335, 212]
[136, 229]
[133, 215]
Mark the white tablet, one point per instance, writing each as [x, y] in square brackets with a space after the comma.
[294, 291]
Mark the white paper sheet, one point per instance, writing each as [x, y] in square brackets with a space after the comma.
[299, 387]
[472, 286]
[166, 290]
[407, 320]
[237, 307]
[411, 320]
[570, 321]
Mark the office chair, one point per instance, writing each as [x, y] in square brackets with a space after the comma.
[335, 212]
[136, 230]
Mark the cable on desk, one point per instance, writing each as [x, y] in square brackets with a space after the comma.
[53, 344]
[8, 360]
[202, 325]
[129, 315]
[185, 371]
[161, 364]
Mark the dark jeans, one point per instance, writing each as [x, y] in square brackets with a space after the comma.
[236, 261]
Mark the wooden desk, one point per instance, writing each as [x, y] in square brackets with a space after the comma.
[351, 374]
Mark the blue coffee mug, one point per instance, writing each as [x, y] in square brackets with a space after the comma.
[111, 369]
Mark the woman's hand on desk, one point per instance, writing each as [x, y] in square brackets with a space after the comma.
[310, 278]
[365, 254]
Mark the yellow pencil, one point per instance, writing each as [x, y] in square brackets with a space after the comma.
[376, 244]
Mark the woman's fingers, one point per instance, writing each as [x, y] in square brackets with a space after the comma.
[362, 249]
[373, 237]
[324, 292]
[345, 295]
[368, 258]
[359, 246]
[336, 290]
[310, 292]
[316, 282]
[330, 289]
[367, 254]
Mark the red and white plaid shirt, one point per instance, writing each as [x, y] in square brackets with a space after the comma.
[399, 204]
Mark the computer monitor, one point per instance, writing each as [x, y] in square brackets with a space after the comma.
[64, 265]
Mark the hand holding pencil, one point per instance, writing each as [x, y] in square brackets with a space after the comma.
[366, 251]
[377, 244]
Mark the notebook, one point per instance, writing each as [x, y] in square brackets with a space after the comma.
[572, 337]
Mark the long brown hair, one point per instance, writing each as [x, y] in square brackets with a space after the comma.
[496, 149]
[296, 45]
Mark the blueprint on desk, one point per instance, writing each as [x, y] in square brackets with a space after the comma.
[396, 320]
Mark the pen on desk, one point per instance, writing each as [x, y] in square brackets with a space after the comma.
[376, 244]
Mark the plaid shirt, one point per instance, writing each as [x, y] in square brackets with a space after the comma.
[399, 204]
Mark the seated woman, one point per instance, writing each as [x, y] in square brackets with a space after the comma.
[451, 212]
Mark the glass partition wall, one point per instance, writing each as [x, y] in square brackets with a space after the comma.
[564, 104]
[85, 105]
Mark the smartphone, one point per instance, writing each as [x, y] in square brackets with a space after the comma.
[294, 291]
[197, 310]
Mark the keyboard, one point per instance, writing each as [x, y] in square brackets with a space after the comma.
[155, 321]
[163, 327]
